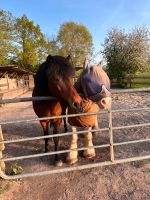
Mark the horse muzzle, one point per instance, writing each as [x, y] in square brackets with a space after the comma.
[105, 103]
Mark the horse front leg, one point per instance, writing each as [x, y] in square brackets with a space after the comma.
[44, 125]
[65, 125]
[65, 119]
[90, 152]
[72, 156]
[96, 126]
[56, 125]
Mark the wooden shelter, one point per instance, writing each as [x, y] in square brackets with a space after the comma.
[11, 76]
[14, 81]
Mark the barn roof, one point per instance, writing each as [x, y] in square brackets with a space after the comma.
[13, 69]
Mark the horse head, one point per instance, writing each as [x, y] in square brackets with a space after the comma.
[59, 73]
[94, 80]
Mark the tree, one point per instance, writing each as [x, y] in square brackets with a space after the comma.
[7, 49]
[31, 42]
[127, 53]
[73, 39]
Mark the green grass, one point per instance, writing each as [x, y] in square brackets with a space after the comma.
[15, 169]
[145, 82]
[136, 83]
[143, 74]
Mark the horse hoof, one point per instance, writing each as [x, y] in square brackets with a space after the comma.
[89, 156]
[59, 163]
[72, 161]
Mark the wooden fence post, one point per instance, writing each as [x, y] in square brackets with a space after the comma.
[129, 81]
[2, 147]
[7, 81]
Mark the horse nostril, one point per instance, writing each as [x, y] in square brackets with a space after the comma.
[106, 102]
[76, 105]
[103, 101]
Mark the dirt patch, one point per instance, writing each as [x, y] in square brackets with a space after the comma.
[119, 182]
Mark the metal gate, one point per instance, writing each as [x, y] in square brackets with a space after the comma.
[111, 144]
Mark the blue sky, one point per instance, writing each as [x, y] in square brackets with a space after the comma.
[98, 16]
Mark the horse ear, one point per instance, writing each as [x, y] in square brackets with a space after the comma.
[100, 64]
[85, 63]
[68, 57]
[48, 58]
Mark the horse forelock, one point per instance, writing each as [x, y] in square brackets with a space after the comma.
[59, 66]
[54, 65]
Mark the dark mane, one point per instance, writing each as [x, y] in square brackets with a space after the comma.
[54, 65]
[60, 66]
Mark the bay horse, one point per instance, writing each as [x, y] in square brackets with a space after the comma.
[53, 78]
[94, 83]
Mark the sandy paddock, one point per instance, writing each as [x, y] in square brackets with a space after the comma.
[118, 182]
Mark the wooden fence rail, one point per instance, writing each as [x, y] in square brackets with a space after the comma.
[132, 81]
